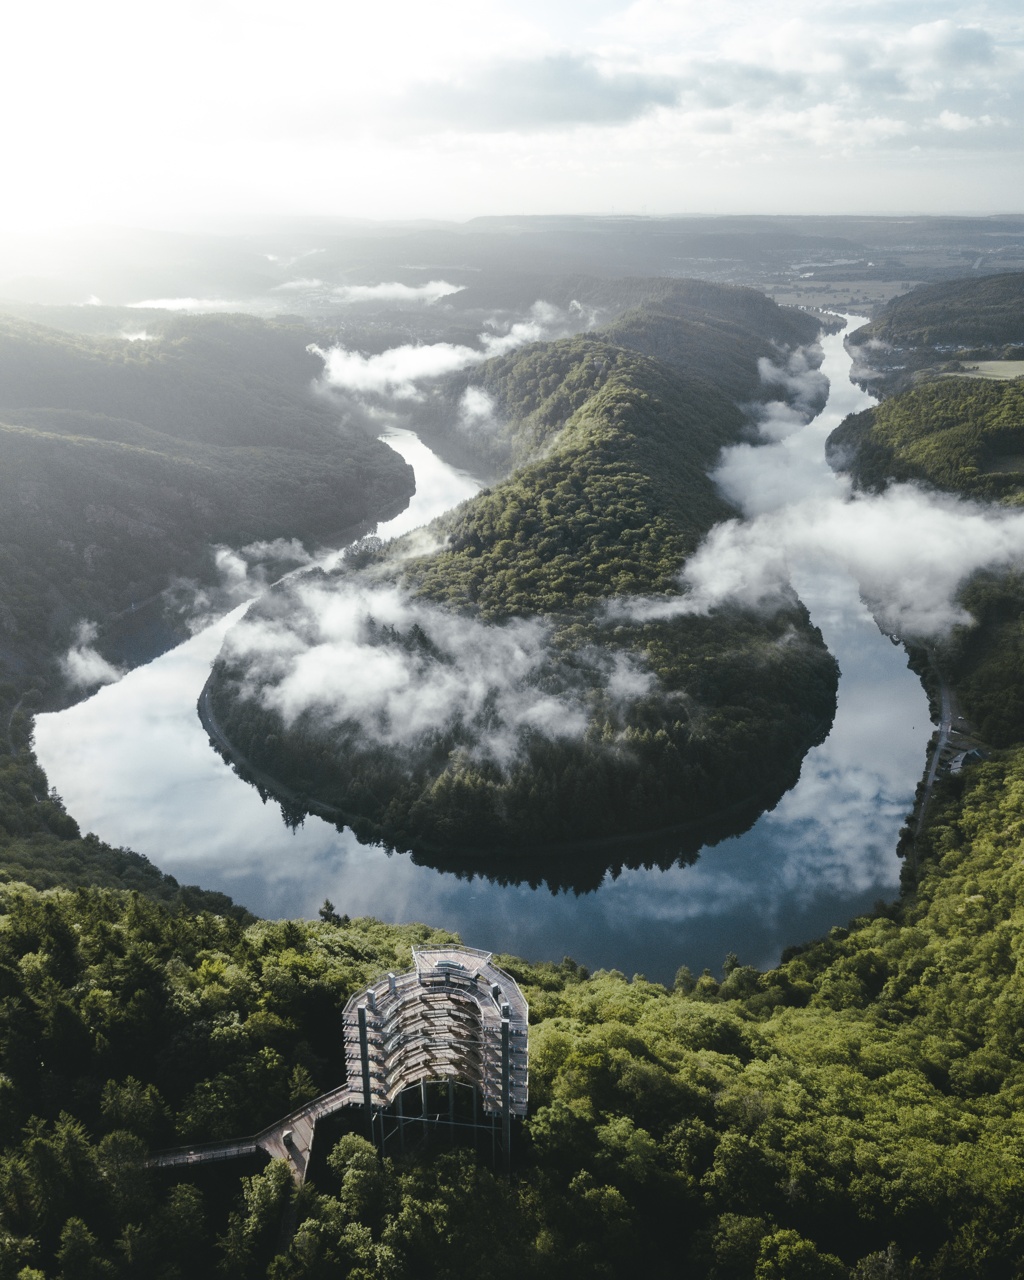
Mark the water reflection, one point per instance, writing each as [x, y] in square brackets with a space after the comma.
[134, 765]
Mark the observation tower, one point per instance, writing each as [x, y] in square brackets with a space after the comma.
[456, 1019]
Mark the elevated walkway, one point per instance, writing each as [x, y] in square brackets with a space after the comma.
[455, 1017]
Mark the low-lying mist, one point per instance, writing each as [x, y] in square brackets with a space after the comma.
[909, 549]
[395, 373]
[406, 672]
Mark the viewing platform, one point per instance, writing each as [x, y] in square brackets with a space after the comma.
[456, 1018]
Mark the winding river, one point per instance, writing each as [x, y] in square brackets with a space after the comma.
[134, 765]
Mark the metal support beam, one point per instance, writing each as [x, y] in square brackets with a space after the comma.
[506, 1096]
[364, 1058]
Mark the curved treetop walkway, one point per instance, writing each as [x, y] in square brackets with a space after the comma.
[455, 1016]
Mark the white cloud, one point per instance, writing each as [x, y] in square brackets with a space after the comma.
[550, 92]
[396, 372]
[325, 655]
[241, 574]
[393, 291]
[956, 123]
[908, 550]
[83, 666]
[306, 284]
[477, 414]
[324, 108]
[190, 304]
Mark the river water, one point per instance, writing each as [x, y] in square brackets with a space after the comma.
[134, 765]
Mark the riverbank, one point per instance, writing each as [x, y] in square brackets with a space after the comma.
[134, 764]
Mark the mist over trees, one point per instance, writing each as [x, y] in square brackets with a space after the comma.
[610, 496]
[121, 462]
[854, 1112]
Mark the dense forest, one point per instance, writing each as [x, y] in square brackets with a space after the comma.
[962, 435]
[986, 311]
[854, 1112]
[625, 719]
[123, 462]
[711, 335]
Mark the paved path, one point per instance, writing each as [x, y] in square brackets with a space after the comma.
[941, 742]
[953, 732]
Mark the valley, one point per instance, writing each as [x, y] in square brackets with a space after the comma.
[844, 1109]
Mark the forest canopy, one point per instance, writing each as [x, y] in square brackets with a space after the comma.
[962, 435]
[986, 311]
[572, 693]
[852, 1113]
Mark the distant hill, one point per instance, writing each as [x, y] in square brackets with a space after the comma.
[922, 334]
[986, 311]
[121, 462]
[709, 333]
[592, 716]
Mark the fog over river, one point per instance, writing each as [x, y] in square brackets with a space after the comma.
[134, 765]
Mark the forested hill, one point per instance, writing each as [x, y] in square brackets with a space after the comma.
[716, 334]
[853, 1114]
[614, 488]
[702, 302]
[985, 311]
[934, 328]
[121, 462]
[565, 709]
[963, 435]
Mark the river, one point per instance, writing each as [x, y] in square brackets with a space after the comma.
[134, 765]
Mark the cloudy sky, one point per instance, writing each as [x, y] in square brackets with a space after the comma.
[127, 111]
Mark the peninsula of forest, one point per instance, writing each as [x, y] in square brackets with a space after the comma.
[853, 1113]
[528, 671]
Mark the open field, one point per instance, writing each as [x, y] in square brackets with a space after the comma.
[863, 296]
[1000, 370]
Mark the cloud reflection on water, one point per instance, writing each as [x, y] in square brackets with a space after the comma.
[134, 764]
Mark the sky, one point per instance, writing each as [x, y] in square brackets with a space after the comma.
[124, 112]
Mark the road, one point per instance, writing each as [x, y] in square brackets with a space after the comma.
[941, 742]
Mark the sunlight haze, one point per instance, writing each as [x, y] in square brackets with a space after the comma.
[124, 113]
